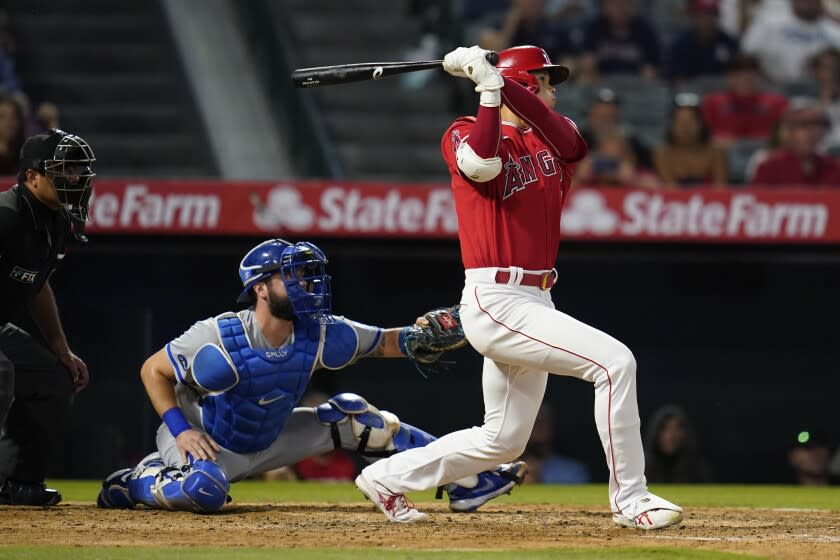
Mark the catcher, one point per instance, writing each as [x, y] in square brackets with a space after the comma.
[226, 390]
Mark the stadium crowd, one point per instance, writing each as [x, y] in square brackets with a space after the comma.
[18, 119]
[680, 93]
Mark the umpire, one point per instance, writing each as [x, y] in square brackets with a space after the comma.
[40, 218]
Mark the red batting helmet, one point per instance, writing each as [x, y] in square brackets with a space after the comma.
[518, 63]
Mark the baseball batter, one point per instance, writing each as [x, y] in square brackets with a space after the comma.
[510, 168]
[227, 388]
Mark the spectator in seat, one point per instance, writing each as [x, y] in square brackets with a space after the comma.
[619, 41]
[611, 162]
[526, 23]
[810, 459]
[604, 118]
[799, 161]
[671, 451]
[688, 157]
[703, 49]
[9, 82]
[743, 111]
[778, 138]
[12, 135]
[784, 43]
[825, 68]
[545, 463]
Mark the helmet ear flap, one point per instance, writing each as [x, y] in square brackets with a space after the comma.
[525, 79]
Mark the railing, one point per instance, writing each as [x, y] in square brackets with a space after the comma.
[272, 47]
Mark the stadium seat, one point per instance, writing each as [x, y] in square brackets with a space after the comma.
[738, 156]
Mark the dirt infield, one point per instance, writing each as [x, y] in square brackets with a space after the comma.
[785, 534]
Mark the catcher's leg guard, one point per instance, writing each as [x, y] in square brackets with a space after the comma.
[116, 488]
[376, 433]
[409, 437]
[114, 492]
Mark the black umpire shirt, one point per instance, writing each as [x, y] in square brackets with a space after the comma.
[33, 240]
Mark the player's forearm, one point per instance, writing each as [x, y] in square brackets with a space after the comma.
[389, 345]
[44, 313]
[557, 131]
[486, 133]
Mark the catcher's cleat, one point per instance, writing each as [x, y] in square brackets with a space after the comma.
[491, 484]
[649, 512]
[16, 493]
[396, 507]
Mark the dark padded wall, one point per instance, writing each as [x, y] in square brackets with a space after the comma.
[744, 338]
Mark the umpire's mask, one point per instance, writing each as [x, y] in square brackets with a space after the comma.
[67, 161]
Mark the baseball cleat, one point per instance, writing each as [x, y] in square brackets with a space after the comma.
[396, 507]
[491, 484]
[649, 512]
[16, 493]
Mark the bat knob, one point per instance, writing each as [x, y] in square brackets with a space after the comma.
[492, 57]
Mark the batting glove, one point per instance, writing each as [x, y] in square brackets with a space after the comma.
[472, 63]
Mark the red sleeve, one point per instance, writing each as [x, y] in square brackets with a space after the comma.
[452, 138]
[763, 173]
[557, 131]
[486, 132]
[709, 109]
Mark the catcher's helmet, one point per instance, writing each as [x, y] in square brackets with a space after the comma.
[519, 63]
[67, 160]
[303, 269]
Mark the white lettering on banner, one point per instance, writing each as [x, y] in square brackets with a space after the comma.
[789, 220]
[139, 208]
[103, 209]
[350, 210]
[651, 214]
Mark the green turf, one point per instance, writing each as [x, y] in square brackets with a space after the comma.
[589, 494]
[110, 553]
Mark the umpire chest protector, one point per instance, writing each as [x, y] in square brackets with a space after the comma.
[253, 391]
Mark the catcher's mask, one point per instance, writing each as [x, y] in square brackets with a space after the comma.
[304, 271]
[302, 266]
[67, 161]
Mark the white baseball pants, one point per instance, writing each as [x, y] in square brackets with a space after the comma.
[522, 337]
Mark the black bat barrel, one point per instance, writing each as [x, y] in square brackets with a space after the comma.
[346, 73]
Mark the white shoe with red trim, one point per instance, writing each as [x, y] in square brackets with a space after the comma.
[396, 507]
[649, 512]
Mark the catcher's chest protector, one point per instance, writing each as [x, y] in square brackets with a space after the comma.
[249, 416]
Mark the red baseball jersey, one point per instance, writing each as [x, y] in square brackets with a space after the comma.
[743, 116]
[514, 219]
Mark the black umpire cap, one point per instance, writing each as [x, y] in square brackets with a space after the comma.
[39, 148]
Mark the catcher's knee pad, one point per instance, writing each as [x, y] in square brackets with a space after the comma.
[200, 487]
[114, 492]
[373, 429]
[206, 486]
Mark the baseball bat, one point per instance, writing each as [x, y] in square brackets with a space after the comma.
[346, 73]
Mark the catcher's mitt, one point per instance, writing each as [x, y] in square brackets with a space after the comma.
[434, 333]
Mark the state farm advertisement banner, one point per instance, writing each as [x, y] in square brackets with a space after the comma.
[355, 209]
[253, 208]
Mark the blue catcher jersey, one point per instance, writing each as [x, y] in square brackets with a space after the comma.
[245, 389]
